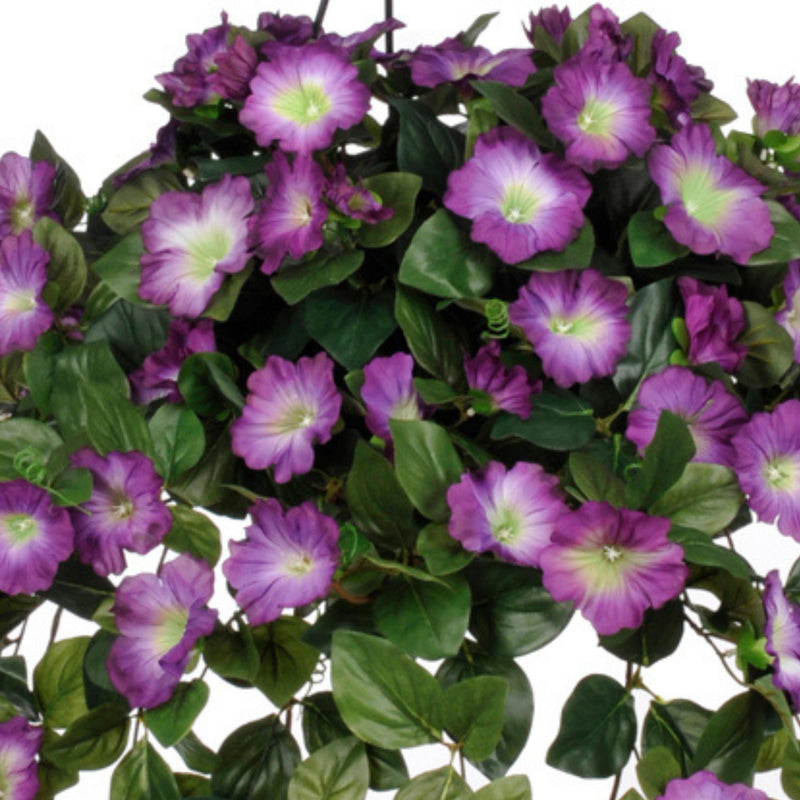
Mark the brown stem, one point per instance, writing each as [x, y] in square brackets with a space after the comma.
[19, 638]
[345, 595]
[707, 636]
[54, 626]
[615, 787]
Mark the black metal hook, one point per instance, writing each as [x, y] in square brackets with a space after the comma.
[387, 13]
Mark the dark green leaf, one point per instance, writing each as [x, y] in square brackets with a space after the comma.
[129, 206]
[207, 382]
[58, 682]
[96, 681]
[443, 554]
[699, 548]
[67, 265]
[78, 588]
[595, 480]
[191, 785]
[193, 532]
[676, 725]
[14, 686]
[232, 654]
[20, 433]
[120, 267]
[517, 111]
[790, 773]
[471, 34]
[92, 362]
[785, 243]
[770, 349]
[708, 108]
[171, 721]
[15, 609]
[178, 440]
[223, 301]
[641, 29]
[143, 775]
[657, 637]
[576, 255]
[651, 243]
[283, 335]
[472, 714]
[295, 283]
[113, 422]
[655, 770]
[515, 787]
[196, 755]
[398, 191]
[441, 784]
[68, 199]
[337, 771]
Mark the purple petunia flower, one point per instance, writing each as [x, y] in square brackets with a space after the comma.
[125, 510]
[613, 564]
[26, 193]
[511, 512]
[290, 218]
[768, 465]
[287, 560]
[302, 95]
[604, 36]
[508, 388]
[706, 785]
[600, 111]
[24, 315]
[789, 317]
[286, 28]
[19, 744]
[782, 630]
[777, 107]
[235, 68]
[35, 537]
[160, 619]
[576, 322]
[162, 151]
[388, 393]
[191, 241]
[552, 20]
[354, 199]
[712, 205]
[288, 408]
[158, 375]
[714, 322]
[711, 412]
[521, 201]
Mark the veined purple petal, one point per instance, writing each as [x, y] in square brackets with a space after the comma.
[604, 36]
[508, 388]
[286, 28]
[777, 107]
[26, 193]
[552, 20]
[388, 393]
[235, 68]
[19, 744]
[706, 785]
[354, 199]
[789, 317]
[783, 636]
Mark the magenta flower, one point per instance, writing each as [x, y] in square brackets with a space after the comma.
[712, 205]
[288, 408]
[789, 317]
[613, 564]
[35, 537]
[714, 322]
[552, 20]
[26, 193]
[521, 201]
[354, 199]
[125, 510]
[711, 412]
[290, 218]
[783, 636]
[388, 393]
[777, 107]
[600, 111]
[235, 68]
[576, 322]
[768, 465]
[24, 315]
[508, 388]
[162, 151]
[511, 513]
[158, 375]
[19, 744]
[286, 28]
[604, 36]
[302, 95]
[160, 619]
[191, 241]
[287, 560]
[706, 785]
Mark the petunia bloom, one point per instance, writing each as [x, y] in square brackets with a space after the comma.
[125, 510]
[191, 241]
[712, 205]
[26, 193]
[782, 630]
[553, 21]
[235, 68]
[24, 315]
[354, 199]
[286, 28]
[521, 201]
[714, 323]
[160, 618]
[576, 322]
[511, 513]
[613, 564]
[507, 388]
[388, 393]
[768, 465]
[35, 537]
[789, 317]
[600, 111]
[777, 107]
[288, 408]
[287, 560]
[706, 785]
[604, 36]
[302, 95]
[19, 744]
[712, 414]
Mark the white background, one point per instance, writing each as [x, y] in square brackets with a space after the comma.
[77, 70]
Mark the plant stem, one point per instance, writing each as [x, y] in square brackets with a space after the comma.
[54, 626]
[615, 787]
[19, 638]
[707, 636]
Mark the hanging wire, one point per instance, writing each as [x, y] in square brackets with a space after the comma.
[321, 9]
[388, 13]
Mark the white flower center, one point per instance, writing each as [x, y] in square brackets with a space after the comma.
[299, 564]
[611, 553]
[20, 527]
[781, 473]
[22, 215]
[122, 509]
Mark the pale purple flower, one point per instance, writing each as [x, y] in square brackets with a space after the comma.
[286, 28]
[192, 241]
[712, 414]
[353, 41]
[600, 111]
[19, 744]
[388, 393]
[26, 192]
[613, 564]
[288, 408]
[511, 513]
[287, 560]
[355, 199]
[712, 205]
[714, 323]
[521, 201]
[576, 322]
[508, 388]
[160, 618]
[125, 510]
[290, 217]
[777, 107]
[789, 317]
[706, 785]
[235, 68]
[158, 375]
[302, 95]
[552, 20]
[782, 630]
[604, 36]
[35, 537]
[24, 315]
[162, 151]
[768, 465]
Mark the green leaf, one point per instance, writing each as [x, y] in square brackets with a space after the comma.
[223, 301]
[651, 243]
[383, 696]
[576, 255]
[423, 619]
[14, 686]
[515, 787]
[193, 532]
[434, 392]
[130, 205]
[68, 200]
[595, 480]
[97, 685]
[67, 265]
[443, 261]
[171, 721]
[78, 588]
[598, 729]
[770, 349]
[471, 34]
[178, 440]
[657, 637]
[708, 108]
[790, 773]
[699, 548]
[207, 382]
[92, 362]
[232, 654]
[143, 775]
[642, 29]
[785, 243]
[472, 714]
[191, 785]
[20, 433]
[655, 770]
[295, 283]
[443, 554]
[337, 771]
[14, 610]
[113, 422]
[196, 755]
[58, 682]
[441, 784]
[516, 110]
[120, 267]
[676, 725]
[398, 191]
[427, 464]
